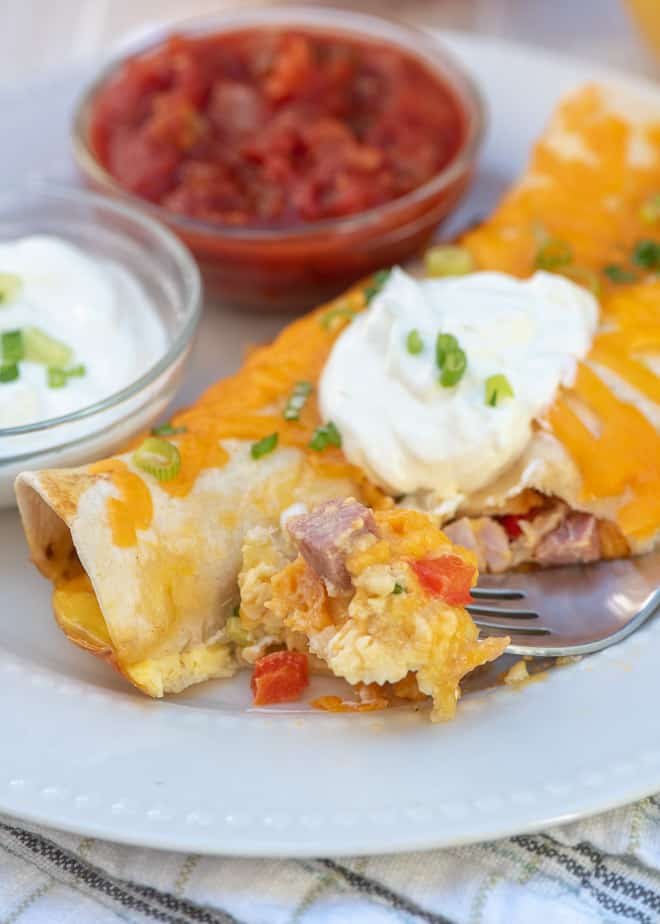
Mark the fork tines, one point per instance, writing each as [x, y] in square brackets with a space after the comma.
[492, 615]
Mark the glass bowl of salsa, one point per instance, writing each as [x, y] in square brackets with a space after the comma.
[293, 150]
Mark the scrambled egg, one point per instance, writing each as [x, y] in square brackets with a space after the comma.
[388, 630]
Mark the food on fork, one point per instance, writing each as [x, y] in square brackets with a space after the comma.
[377, 598]
[511, 399]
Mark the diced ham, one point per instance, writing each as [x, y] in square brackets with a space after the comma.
[575, 540]
[327, 535]
[486, 538]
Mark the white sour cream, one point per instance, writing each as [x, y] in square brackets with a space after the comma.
[411, 434]
[94, 307]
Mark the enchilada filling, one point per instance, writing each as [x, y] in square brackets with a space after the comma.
[376, 598]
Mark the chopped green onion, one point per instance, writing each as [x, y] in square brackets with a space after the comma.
[618, 274]
[297, 400]
[497, 388]
[13, 350]
[445, 343]
[10, 286]
[334, 436]
[8, 372]
[76, 371]
[56, 377]
[650, 210]
[647, 254]
[344, 312]
[40, 347]
[378, 280]
[159, 458]
[453, 368]
[237, 633]
[448, 260]
[398, 588]
[167, 429]
[414, 343]
[553, 254]
[325, 436]
[264, 446]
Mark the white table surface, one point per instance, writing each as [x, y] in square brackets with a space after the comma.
[42, 35]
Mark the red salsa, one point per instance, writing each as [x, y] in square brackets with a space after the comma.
[267, 128]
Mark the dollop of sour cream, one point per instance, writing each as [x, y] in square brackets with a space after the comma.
[411, 434]
[91, 305]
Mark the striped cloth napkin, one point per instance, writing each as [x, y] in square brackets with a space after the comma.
[605, 869]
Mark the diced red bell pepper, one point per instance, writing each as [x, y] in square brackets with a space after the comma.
[448, 577]
[279, 677]
[511, 522]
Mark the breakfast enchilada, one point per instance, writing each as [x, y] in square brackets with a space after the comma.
[511, 399]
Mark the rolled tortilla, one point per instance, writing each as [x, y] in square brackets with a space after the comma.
[145, 572]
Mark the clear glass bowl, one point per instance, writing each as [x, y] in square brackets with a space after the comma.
[170, 280]
[300, 267]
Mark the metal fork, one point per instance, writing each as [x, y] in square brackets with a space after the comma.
[571, 610]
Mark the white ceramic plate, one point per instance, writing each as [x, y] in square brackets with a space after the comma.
[201, 772]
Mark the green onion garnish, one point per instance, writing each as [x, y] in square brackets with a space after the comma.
[553, 254]
[58, 377]
[378, 280]
[398, 588]
[264, 446]
[237, 633]
[497, 388]
[448, 260]
[167, 429]
[40, 347]
[76, 371]
[297, 399]
[8, 372]
[10, 286]
[647, 254]
[342, 312]
[325, 436]
[445, 343]
[453, 368]
[650, 210]
[414, 343]
[159, 458]
[618, 274]
[13, 350]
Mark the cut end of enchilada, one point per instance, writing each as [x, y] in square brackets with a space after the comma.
[376, 598]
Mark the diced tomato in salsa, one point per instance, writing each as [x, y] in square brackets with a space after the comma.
[274, 128]
[448, 577]
[279, 677]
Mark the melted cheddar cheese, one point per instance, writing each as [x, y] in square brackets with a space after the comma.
[585, 186]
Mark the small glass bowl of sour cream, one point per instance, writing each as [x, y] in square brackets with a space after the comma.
[98, 309]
